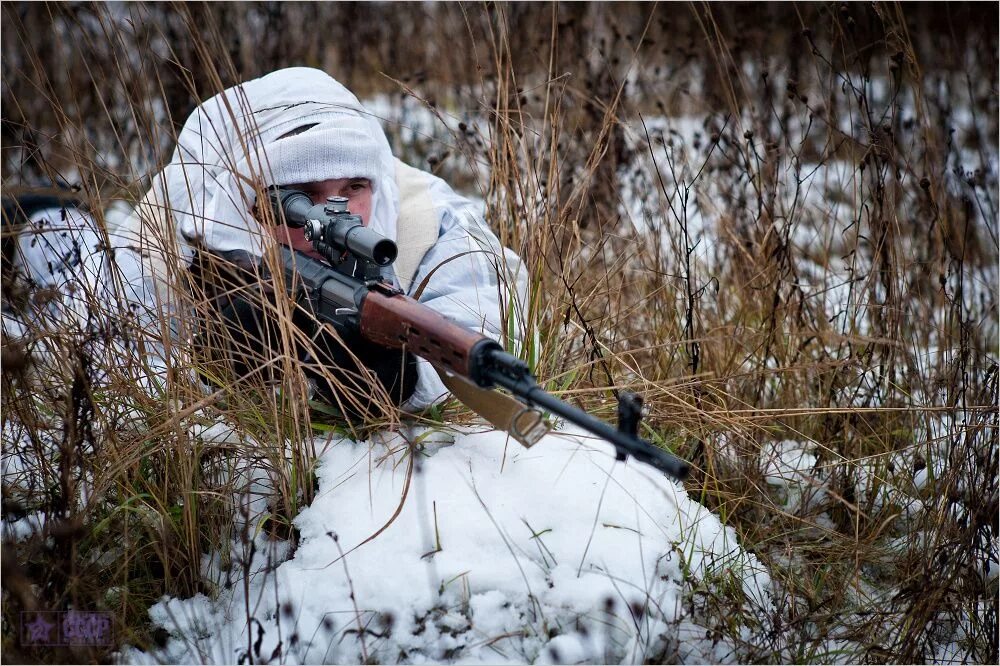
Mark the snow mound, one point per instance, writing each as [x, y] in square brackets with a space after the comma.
[497, 555]
[787, 463]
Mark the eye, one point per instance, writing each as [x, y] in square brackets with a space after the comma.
[359, 186]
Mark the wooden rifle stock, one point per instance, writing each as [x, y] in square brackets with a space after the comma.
[394, 320]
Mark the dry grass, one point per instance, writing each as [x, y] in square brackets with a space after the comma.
[805, 251]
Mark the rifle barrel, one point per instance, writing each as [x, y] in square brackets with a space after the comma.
[642, 451]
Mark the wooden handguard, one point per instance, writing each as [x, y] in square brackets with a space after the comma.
[394, 321]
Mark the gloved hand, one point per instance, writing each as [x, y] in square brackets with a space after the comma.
[251, 337]
[232, 285]
[394, 369]
[254, 336]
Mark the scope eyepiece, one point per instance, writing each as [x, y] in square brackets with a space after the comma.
[292, 205]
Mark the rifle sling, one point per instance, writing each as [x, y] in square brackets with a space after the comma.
[523, 423]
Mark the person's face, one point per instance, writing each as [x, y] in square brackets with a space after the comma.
[359, 201]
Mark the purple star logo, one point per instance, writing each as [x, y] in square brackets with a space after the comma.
[40, 631]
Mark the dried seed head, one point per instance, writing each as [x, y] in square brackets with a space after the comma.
[14, 358]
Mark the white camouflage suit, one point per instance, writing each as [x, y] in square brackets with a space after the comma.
[255, 130]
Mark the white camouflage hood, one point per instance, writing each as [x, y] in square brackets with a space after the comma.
[294, 125]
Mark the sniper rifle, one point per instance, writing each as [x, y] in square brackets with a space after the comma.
[386, 316]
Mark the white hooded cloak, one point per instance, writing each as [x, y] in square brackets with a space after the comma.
[300, 125]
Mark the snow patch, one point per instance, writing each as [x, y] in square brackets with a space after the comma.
[498, 554]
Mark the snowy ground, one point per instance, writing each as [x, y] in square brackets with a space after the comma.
[497, 555]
